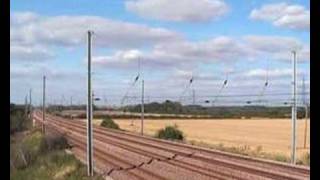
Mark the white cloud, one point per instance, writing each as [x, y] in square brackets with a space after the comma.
[303, 55]
[222, 50]
[217, 49]
[177, 54]
[273, 43]
[126, 59]
[272, 73]
[118, 59]
[34, 71]
[179, 11]
[283, 15]
[32, 35]
[203, 77]
[183, 73]
[277, 47]
[71, 30]
[19, 18]
[30, 53]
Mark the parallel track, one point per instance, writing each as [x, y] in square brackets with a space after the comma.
[123, 155]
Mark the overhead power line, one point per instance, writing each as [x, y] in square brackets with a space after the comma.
[220, 90]
[133, 84]
[186, 88]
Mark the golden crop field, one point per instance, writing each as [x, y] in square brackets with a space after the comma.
[273, 135]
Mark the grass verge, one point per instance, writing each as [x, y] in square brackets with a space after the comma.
[35, 157]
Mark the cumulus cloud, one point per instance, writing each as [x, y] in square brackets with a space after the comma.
[31, 34]
[30, 53]
[18, 18]
[181, 53]
[303, 55]
[273, 43]
[221, 49]
[125, 59]
[277, 47]
[283, 15]
[34, 71]
[197, 76]
[179, 11]
[273, 73]
[24, 76]
[33, 37]
[217, 49]
[71, 30]
[118, 59]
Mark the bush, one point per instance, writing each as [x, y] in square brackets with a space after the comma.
[305, 159]
[32, 143]
[17, 160]
[282, 158]
[109, 123]
[18, 120]
[25, 151]
[171, 133]
[54, 165]
[53, 142]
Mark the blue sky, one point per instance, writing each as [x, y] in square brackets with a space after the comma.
[196, 41]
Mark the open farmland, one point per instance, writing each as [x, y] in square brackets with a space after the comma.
[274, 136]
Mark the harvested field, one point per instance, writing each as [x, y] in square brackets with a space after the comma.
[272, 135]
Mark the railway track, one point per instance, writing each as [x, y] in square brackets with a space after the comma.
[122, 155]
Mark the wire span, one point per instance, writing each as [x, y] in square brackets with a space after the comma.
[129, 88]
[220, 90]
[186, 89]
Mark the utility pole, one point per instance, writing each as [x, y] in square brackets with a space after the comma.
[30, 104]
[305, 127]
[43, 104]
[89, 112]
[26, 105]
[105, 100]
[306, 113]
[294, 109]
[193, 97]
[303, 91]
[63, 100]
[142, 107]
[70, 102]
[92, 103]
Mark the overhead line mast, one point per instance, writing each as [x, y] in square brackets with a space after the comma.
[142, 107]
[30, 105]
[304, 101]
[294, 109]
[142, 98]
[220, 90]
[89, 112]
[186, 88]
[265, 84]
[43, 104]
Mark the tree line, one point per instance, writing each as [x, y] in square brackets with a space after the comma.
[170, 107]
